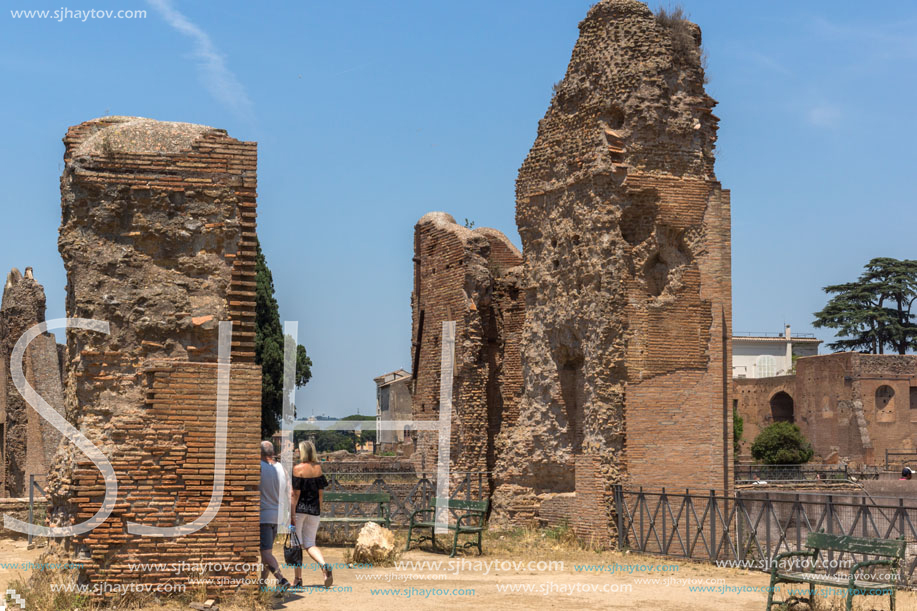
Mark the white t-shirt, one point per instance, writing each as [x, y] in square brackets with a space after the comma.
[283, 507]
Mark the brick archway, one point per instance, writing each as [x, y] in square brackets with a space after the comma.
[782, 406]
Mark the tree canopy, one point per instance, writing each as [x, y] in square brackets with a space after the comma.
[873, 313]
[781, 443]
[368, 432]
[269, 349]
[333, 440]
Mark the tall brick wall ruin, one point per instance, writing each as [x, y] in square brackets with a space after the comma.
[27, 442]
[471, 277]
[626, 234]
[158, 239]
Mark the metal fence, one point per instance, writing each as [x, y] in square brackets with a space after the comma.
[408, 491]
[751, 528]
[755, 472]
[747, 473]
[895, 460]
[33, 486]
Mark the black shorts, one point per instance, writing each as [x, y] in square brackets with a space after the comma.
[268, 534]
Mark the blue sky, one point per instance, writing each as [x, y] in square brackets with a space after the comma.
[369, 115]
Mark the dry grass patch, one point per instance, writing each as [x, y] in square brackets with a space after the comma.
[533, 543]
[39, 596]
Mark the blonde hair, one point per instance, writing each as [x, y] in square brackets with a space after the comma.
[307, 452]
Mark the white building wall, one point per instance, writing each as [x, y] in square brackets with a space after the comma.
[760, 357]
[745, 357]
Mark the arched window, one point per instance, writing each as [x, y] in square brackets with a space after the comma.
[885, 397]
[782, 407]
[765, 366]
[885, 404]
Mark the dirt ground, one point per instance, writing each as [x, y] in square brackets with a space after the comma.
[487, 594]
[14, 551]
[400, 588]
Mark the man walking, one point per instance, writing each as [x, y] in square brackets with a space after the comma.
[272, 488]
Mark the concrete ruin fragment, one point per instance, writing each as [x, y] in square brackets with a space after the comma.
[471, 277]
[27, 441]
[158, 239]
[626, 235]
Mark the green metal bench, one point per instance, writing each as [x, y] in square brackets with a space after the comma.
[891, 552]
[469, 520]
[382, 499]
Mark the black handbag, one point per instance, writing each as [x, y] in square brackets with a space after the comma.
[292, 549]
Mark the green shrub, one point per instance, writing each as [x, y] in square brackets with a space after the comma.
[781, 443]
[738, 425]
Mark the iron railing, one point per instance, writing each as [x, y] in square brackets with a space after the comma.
[33, 486]
[772, 334]
[751, 472]
[408, 491]
[896, 460]
[745, 473]
[752, 527]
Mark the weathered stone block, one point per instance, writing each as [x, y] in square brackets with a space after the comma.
[472, 277]
[27, 441]
[626, 235]
[157, 237]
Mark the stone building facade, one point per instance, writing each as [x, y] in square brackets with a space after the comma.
[158, 239]
[27, 441]
[852, 407]
[393, 403]
[471, 277]
[626, 235]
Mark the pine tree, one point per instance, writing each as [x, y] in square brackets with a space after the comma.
[875, 311]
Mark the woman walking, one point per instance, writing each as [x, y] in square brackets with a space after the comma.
[308, 482]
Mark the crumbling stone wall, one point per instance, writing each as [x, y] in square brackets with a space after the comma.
[625, 230]
[852, 407]
[158, 239]
[471, 277]
[27, 442]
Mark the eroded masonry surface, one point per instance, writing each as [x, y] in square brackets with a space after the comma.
[471, 277]
[27, 441]
[626, 235]
[158, 239]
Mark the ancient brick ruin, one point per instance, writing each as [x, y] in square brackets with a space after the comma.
[471, 277]
[852, 407]
[626, 234]
[158, 239]
[27, 442]
[605, 358]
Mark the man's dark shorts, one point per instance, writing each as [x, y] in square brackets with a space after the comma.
[268, 534]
